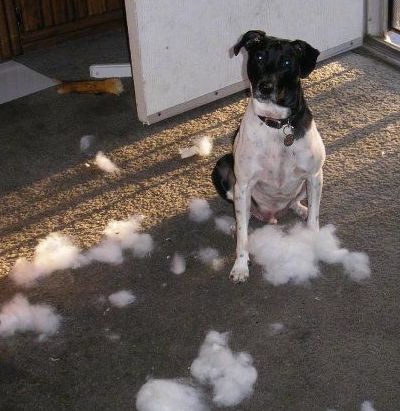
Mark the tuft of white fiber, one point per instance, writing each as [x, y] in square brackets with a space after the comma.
[199, 210]
[55, 252]
[122, 298]
[210, 256]
[121, 235]
[105, 164]
[169, 395]
[294, 256]
[178, 264]
[367, 406]
[86, 142]
[18, 315]
[202, 146]
[277, 328]
[108, 251]
[231, 375]
[225, 223]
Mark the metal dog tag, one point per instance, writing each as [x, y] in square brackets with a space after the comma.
[289, 136]
[288, 140]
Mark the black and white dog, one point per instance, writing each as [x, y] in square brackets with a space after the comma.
[278, 153]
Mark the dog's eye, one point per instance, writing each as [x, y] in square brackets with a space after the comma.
[286, 63]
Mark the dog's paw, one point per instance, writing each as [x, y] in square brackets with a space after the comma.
[240, 272]
[300, 210]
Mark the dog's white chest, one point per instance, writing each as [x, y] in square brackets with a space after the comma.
[277, 165]
[276, 173]
[279, 176]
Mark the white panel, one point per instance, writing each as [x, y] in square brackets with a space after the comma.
[110, 70]
[180, 48]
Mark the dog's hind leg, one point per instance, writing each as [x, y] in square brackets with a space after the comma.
[300, 209]
[223, 177]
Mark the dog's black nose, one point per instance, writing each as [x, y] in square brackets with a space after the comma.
[265, 87]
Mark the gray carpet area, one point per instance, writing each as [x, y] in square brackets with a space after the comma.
[341, 346]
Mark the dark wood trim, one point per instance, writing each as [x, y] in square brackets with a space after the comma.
[5, 43]
[31, 14]
[47, 12]
[12, 27]
[96, 7]
[114, 5]
[81, 8]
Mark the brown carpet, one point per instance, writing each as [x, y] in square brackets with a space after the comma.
[341, 346]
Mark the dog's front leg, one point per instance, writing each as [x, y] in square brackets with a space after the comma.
[314, 190]
[242, 200]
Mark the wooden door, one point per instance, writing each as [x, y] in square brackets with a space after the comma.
[44, 21]
[26, 24]
[9, 34]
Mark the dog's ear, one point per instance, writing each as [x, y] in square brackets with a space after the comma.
[307, 57]
[249, 40]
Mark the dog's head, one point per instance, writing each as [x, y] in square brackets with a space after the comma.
[275, 66]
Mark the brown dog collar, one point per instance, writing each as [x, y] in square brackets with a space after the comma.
[288, 129]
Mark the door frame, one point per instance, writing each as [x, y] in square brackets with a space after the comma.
[375, 41]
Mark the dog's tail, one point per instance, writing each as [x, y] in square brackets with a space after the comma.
[107, 86]
[223, 177]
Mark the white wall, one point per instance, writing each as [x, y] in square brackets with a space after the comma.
[180, 48]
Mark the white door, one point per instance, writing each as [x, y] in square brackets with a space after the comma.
[181, 49]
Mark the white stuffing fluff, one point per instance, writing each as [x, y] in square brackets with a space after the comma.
[122, 298]
[86, 142]
[124, 232]
[202, 147]
[55, 252]
[121, 235]
[210, 256]
[169, 395]
[105, 164]
[199, 210]
[107, 251]
[225, 223]
[143, 245]
[178, 264]
[188, 152]
[367, 406]
[294, 256]
[19, 315]
[231, 375]
[277, 328]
